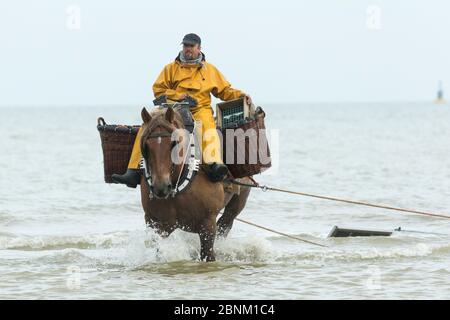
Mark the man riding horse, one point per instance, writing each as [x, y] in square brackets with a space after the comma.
[190, 76]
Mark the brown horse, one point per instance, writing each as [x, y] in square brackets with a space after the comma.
[195, 209]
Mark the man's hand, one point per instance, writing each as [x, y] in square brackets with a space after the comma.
[187, 98]
[248, 99]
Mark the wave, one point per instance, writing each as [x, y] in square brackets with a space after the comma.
[144, 249]
[106, 240]
[136, 249]
[149, 250]
[372, 253]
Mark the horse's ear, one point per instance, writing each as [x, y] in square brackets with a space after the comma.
[170, 114]
[146, 117]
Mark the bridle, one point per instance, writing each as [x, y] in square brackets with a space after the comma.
[192, 168]
[144, 164]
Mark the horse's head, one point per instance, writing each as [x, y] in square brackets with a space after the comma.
[159, 136]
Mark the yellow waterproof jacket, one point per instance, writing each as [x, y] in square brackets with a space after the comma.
[198, 81]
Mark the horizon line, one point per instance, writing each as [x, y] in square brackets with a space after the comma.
[128, 104]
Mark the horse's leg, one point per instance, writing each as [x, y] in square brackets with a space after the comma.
[160, 229]
[232, 209]
[207, 235]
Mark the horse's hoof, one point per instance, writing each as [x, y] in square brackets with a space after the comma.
[209, 259]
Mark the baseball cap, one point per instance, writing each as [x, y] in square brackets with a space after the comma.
[191, 38]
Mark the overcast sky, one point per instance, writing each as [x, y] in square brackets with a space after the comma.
[278, 51]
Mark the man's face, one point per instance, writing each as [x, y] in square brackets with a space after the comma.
[191, 51]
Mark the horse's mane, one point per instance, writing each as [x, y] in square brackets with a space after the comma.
[159, 120]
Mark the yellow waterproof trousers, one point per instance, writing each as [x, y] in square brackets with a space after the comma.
[211, 150]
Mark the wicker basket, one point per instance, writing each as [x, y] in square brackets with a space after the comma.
[117, 144]
[254, 147]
